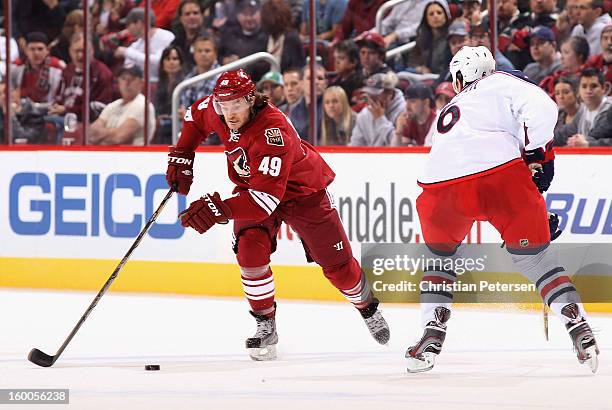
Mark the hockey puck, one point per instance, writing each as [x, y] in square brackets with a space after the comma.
[152, 367]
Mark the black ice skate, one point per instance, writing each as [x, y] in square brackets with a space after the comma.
[376, 323]
[262, 346]
[422, 356]
[582, 336]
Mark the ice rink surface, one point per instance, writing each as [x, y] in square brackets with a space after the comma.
[327, 359]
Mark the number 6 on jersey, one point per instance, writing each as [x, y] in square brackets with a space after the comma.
[270, 166]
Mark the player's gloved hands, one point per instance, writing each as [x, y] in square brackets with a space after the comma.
[542, 165]
[205, 212]
[542, 175]
[180, 170]
[553, 224]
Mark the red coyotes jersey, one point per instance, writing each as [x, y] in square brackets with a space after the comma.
[266, 158]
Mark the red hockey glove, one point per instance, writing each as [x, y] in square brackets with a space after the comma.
[205, 212]
[180, 170]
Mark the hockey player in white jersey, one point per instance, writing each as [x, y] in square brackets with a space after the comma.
[490, 161]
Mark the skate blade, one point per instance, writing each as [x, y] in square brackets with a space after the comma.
[415, 365]
[260, 354]
[593, 360]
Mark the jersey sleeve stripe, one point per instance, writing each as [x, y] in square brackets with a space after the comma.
[264, 200]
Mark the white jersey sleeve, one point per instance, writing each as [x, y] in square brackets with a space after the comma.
[486, 126]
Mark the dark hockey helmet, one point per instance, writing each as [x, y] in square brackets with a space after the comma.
[232, 85]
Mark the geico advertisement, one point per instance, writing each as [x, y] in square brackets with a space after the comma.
[93, 204]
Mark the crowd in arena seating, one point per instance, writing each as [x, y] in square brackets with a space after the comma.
[363, 96]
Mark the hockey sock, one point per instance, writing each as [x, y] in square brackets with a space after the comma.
[553, 283]
[359, 295]
[258, 285]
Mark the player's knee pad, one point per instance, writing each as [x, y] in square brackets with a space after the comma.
[253, 248]
[345, 275]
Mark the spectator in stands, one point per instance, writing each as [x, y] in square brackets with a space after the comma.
[567, 20]
[73, 23]
[602, 61]
[359, 16]
[510, 21]
[328, 19]
[296, 104]
[40, 75]
[516, 46]
[574, 54]
[246, 39]
[320, 86]
[346, 60]
[457, 37]
[480, 36]
[375, 125]
[566, 96]
[444, 93]
[191, 20]
[205, 48]
[338, 118]
[543, 49]
[171, 73]
[27, 121]
[591, 116]
[223, 14]
[107, 15]
[271, 84]
[507, 14]
[41, 16]
[543, 13]
[400, 25]
[414, 126]
[296, 7]
[122, 121]
[471, 11]
[165, 10]
[283, 41]
[69, 99]
[159, 39]
[592, 19]
[371, 53]
[431, 53]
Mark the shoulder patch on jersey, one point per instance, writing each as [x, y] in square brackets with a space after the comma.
[274, 137]
[188, 116]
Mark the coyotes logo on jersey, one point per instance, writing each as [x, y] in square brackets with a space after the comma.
[239, 162]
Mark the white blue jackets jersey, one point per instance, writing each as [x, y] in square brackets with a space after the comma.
[486, 127]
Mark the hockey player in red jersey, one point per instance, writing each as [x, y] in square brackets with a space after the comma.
[490, 160]
[278, 178]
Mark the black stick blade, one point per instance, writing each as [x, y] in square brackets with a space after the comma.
[41, 359]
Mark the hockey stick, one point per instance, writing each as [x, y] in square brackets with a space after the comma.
[545, 312]
[44, 360]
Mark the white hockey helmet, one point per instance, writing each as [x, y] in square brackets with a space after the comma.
[470, 64]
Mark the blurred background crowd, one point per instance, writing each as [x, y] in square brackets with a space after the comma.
[365, 95]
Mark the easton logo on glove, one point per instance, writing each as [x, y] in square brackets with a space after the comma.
[205, 212]
[211, 205]
[180, 170]
[179, 160]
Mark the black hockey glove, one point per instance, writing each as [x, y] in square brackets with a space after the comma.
[542, 166]
[553, 225]
[542, 175]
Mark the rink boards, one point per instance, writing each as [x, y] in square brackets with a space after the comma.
[67, 217]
